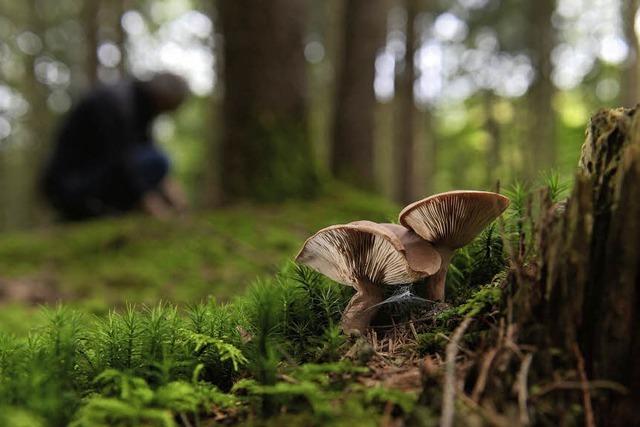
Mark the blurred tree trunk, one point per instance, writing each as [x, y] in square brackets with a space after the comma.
[91, 9]
[631, 74]
[540, 148]
[364, 27]
[406, 112]
[39, 125]
[325, 28]
[430, 158]
[266, 151]
[492, 127]
[120, 7]
[211, 177]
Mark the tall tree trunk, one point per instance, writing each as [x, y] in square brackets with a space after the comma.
[353, 130]
[631, 74]
[406, 112]
[211, 177]
[492, 128]
[120, 7]
[90, 21]
[430, 158]
[266, 152]
[540, 142]
[39, 122]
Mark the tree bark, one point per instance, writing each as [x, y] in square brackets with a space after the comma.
[91, 26]
[492, 128]
[631, 73]
[352, 151]
[120, 7]
[406, 112]
[587, 287]
[265, 152]
[430, 159]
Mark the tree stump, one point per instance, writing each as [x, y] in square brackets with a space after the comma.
[586, 289]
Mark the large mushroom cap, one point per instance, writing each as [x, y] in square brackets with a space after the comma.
[381, 254]
[455, 218]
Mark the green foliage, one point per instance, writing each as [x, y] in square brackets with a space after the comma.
[475, 265]
[295, 315]
[125, 400]
[556, 187]
[135, 366]
[317, 388]
[158, 365]
[226, 352]
[527, 204]
[379, 394]
[482, 300]
[432, 342]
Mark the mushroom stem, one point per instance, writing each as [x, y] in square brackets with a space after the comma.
[360, 310]
[436, 284]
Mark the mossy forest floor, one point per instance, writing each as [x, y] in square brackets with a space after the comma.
[104, 264]
[206, 320]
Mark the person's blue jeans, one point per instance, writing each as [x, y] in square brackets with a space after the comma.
[112, 188]
[148, 167]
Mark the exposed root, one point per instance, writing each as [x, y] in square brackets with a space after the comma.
[590, 420]
[449, 390]
[481, 382]
[521, 384]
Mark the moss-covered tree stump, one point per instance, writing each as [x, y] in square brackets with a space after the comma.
[585, 286]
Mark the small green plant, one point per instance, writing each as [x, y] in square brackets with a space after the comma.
[476, 265]
[432, 342]
[555, 186]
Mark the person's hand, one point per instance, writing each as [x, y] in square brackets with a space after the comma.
[175, 195]
[154, 204]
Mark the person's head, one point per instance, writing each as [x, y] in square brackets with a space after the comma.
[166, 91]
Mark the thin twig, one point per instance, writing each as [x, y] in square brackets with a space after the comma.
[185, 420]
[490, 415]
[464, 350]
[481, 382]
[523, 373]
[590, 420]
[449, 392]
[578, 385]
[413, 330]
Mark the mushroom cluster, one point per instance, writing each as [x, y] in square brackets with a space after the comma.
[369, 256]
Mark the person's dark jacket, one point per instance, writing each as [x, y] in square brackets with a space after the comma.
[92, 169]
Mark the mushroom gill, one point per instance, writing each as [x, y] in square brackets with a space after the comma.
[450, 221]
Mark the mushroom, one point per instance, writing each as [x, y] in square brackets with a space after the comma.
[450, 221]
[368, 256]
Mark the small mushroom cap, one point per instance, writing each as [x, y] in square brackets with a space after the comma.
[385, 254]
[455, 218]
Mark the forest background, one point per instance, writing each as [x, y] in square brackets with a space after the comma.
[403, 98]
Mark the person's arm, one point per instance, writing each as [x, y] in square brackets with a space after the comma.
[174, 194]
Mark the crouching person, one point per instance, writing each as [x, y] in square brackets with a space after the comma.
[105, 161]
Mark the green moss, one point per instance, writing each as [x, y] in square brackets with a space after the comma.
[262, 354]
[483, 299]
[101, 264]
[432, 342]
